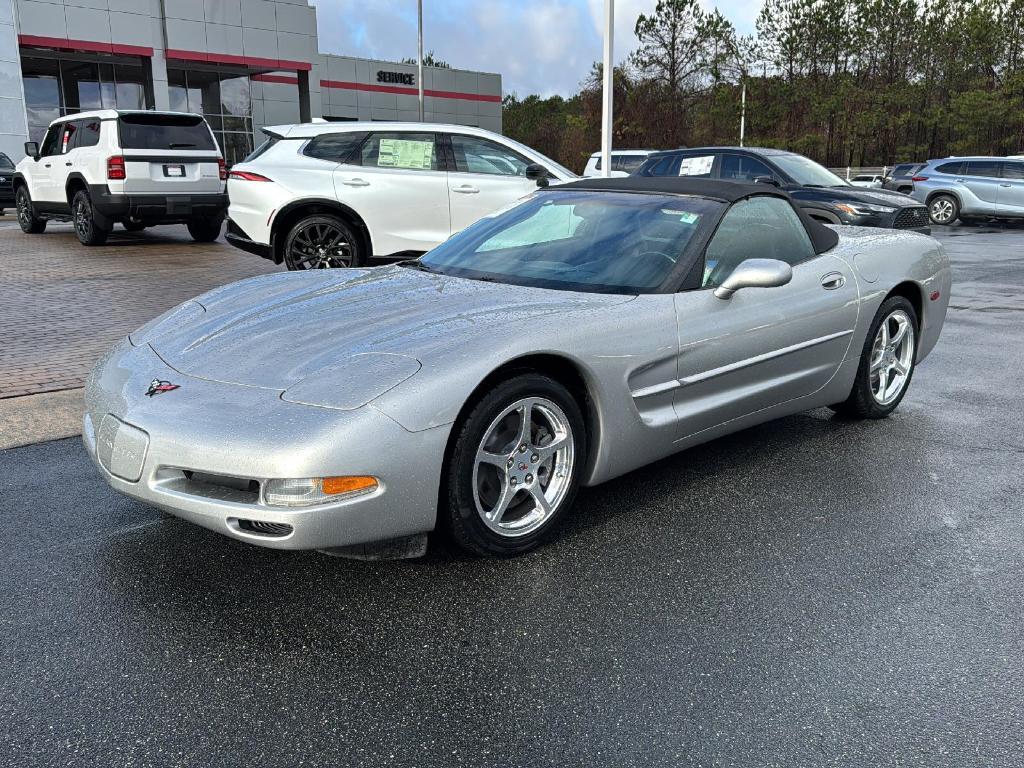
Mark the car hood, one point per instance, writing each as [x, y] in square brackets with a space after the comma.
[277, 330]
[871, 196]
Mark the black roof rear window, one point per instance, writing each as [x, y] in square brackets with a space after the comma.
[160, 131]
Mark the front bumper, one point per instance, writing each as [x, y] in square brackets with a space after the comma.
[158, 209]
[203, 451]
[900, 220]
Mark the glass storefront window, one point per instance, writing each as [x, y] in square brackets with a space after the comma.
[81, 85]
[55, 87]
[223, 97]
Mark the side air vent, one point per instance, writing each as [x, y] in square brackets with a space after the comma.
[261, 528]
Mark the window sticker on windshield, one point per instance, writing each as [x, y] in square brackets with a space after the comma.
[696, 166]
[686, 217]
[406, 153]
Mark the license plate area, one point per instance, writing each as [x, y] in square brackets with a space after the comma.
[174, 171]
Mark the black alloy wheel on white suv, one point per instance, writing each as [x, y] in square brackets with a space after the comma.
[322, 241]
[88, 230]
[28, 221]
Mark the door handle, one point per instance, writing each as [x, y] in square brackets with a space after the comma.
[466, 189]
[832, 280]
[1004, 185]
[46, 165]
[355, 183]
[959, 181]
[70, 164]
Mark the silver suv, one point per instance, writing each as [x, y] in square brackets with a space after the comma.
[971, 188]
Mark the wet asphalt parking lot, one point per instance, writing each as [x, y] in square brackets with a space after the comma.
[812, 592]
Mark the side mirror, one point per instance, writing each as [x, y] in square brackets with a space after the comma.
[755, 273]
[766, 180]
[538, 173]
[32, 149]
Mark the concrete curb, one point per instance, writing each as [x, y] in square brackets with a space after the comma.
[39, 418]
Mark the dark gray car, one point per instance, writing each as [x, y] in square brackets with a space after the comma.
[901, 178]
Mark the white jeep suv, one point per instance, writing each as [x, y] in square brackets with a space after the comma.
[137, 168]
[324, 195]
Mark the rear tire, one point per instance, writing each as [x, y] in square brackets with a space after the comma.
[322, 241]
[204, 231]
[943, 209]
[28, 221]
[507, 486]
[886, 362]
[83, 217]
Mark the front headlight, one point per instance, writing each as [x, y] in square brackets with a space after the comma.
[309, 491]
[863, 209]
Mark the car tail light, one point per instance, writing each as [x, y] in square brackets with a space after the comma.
[247, 176]
[919, 178]
[115, 168]
[223, 168]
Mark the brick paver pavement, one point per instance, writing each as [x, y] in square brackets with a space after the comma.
[62, 305]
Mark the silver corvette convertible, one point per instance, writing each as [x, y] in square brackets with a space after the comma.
[582, 333]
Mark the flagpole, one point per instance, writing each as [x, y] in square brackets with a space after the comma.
[419, 57]
[607, 101]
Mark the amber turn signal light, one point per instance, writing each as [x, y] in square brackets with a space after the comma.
[336, 485]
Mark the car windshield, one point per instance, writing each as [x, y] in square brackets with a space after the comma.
[806, 172]
[598, 242]
[5, 162]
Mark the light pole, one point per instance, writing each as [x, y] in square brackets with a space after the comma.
[609, 89]
[743, 111]
[419, 56]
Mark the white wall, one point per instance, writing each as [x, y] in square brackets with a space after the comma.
[13, 126]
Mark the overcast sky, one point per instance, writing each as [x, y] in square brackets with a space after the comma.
[538, 46]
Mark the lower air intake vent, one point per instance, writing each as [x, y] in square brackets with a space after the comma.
[265, 529]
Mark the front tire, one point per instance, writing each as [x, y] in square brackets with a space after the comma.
[89, 232]
[943, 209]
[28, 221]
[204, 231]
[322, 241]
[886, 362]
[514, 470]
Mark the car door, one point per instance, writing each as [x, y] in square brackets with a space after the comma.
[62, 164]
[483, 177]
[981, 177]
[397, 184]
[41, 182]
[1011, 188]
[762, 346]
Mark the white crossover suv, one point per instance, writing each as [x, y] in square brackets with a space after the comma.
[132, 167]
[324, 195]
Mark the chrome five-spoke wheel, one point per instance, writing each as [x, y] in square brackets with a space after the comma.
[892, 357]
[942, 210]
[523, 467]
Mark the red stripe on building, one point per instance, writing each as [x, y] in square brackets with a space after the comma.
[85, 46]
[244, 61]
[275, 79]
[373, 87]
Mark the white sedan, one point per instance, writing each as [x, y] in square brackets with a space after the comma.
[322, 195]
[868, 181]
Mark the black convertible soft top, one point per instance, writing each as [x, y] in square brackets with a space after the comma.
[822, 237]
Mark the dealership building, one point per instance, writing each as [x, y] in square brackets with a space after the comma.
[243, 64]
